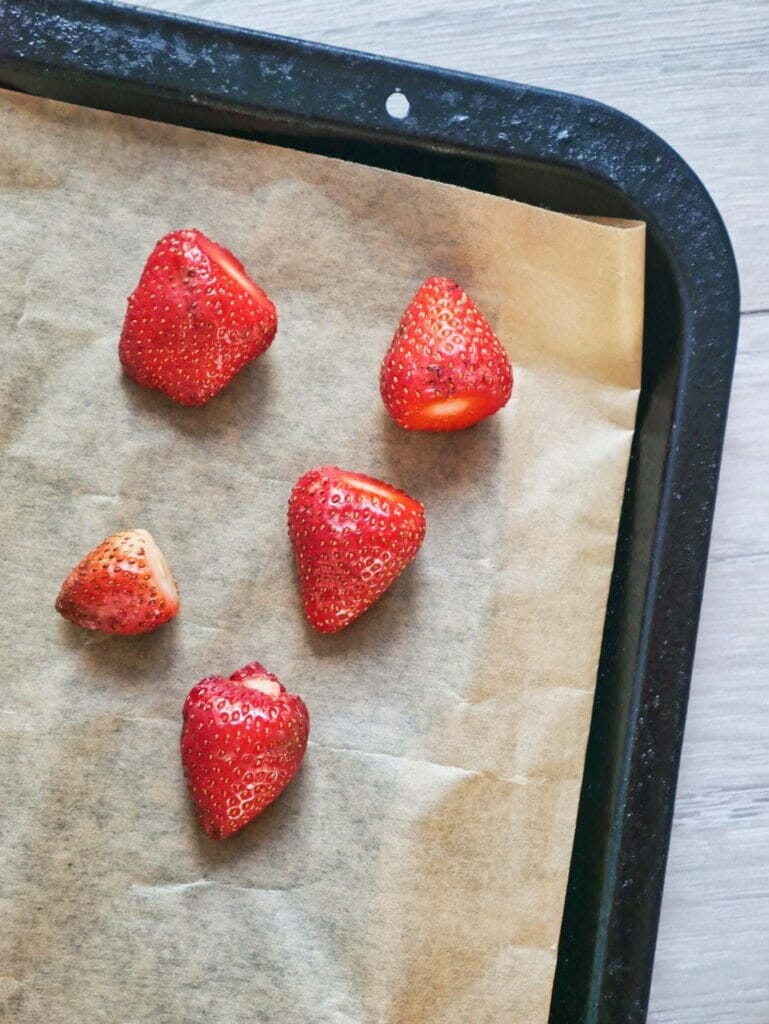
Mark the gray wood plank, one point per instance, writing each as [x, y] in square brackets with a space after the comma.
[696, 72]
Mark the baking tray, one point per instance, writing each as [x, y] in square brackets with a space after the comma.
[554, 150]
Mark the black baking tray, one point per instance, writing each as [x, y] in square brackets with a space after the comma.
[554, 150]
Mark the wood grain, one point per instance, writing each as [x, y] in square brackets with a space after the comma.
[696, 72]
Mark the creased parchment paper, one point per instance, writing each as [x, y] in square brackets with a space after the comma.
[414, 872]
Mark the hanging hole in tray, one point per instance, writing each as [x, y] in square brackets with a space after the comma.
[397, 105]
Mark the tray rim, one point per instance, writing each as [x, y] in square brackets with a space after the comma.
[581, 135]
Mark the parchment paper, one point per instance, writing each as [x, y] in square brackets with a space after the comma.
[414, 872]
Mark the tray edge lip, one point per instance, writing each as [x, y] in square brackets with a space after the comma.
[623, 126]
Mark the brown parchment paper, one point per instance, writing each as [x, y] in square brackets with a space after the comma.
[414, 872]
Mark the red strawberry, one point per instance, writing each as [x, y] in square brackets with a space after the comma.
[194, 320]
[352, 536]
[123, 586]
[445, 368]
[243, 739]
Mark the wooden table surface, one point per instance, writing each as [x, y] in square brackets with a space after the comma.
[697, 72]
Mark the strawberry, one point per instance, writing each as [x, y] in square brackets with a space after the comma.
[445, 368]
[352, 536]
[243, 739]
[194, 320]
[123, 586]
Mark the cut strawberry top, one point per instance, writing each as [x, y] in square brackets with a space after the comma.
[450, 413]
[157, 566]
[230, 264]
[368, 486]
[256, 677]
[263, 685]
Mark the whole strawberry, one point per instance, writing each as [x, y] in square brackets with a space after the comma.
[445, 368]
[194, 320]
[352, 537]
[243, 739]
[123, 586]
